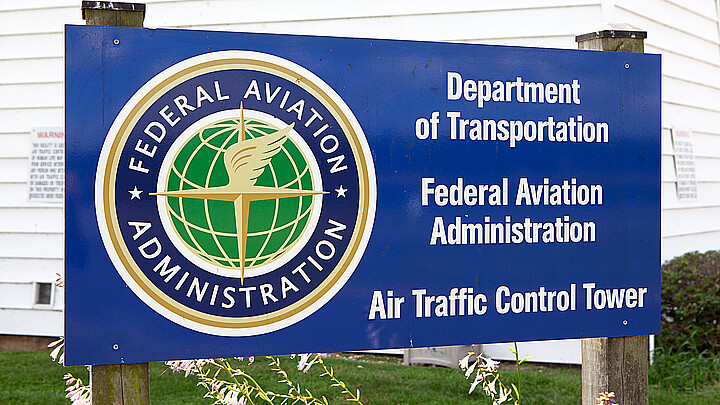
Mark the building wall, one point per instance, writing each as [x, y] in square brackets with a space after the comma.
[31, 83]
[31, 234]
[687, 34]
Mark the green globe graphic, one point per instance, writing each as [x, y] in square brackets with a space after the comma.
[208, 227]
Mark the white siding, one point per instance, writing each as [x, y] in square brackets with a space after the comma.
[31, 234]
[551, 351]
[686, 33]
[467, 26]
[465, 20]
[33, 322]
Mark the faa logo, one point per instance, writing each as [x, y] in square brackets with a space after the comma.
[235, 193]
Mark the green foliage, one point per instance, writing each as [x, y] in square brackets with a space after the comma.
[665, 396]
[32, 378]
[29, 378]
[685, 370]
[691, 303]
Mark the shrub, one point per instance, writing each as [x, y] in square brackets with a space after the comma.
[691, 303]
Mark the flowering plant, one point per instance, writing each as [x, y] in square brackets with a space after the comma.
[486, 375]
[607, 398]
[229, 384]
[77, 392]
[225, 383]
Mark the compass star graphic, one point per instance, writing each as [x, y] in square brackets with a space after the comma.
[245, 161]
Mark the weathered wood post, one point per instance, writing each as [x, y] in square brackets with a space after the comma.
[117, 384]
[616, 364]
[113, 13]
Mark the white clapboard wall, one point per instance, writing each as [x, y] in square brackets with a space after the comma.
[686, 33]
[31, 96]
[31, 85]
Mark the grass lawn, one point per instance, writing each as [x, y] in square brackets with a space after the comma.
[32, 378]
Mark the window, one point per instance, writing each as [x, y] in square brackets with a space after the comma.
[43, 294]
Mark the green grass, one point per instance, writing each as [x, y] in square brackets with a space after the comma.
[32, 378]
[686, 370]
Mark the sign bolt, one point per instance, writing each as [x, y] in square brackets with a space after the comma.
[117, 42]
[627, 65]
[624, 323]
[115, 346]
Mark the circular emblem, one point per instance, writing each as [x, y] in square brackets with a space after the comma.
[235, 193]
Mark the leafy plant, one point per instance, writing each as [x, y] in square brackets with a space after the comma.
[686, 369]
[691, 303]
[488, 377]
[224, 379]
[517, 388]
[227, 382]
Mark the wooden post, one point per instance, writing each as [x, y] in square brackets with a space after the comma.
[117, 384]
[113, 13]
[615, 364]
[120, 384]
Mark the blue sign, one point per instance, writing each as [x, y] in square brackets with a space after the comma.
[233, 194]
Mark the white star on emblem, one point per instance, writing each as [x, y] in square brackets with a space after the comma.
[341, 192]
[134, 193]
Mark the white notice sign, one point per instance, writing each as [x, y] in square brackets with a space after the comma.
[684, 165]
[46, 181]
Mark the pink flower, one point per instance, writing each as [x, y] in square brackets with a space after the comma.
[303, 364]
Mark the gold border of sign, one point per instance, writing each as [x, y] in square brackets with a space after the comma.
[111, 215]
